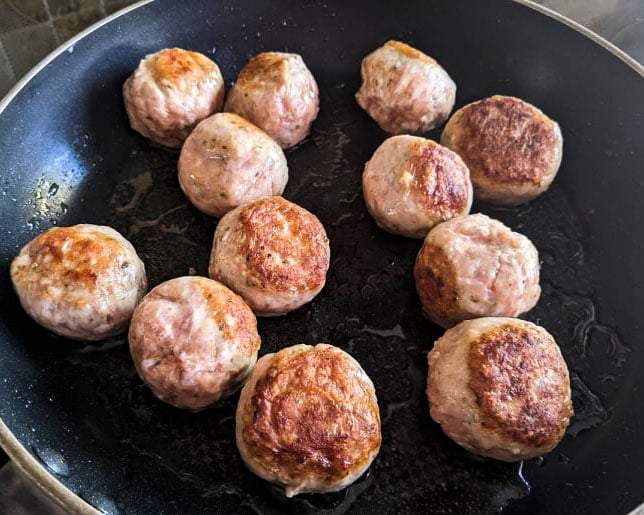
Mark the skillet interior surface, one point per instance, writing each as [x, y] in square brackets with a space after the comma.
[68, 156]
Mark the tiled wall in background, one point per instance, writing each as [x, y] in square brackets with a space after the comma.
[30, 29]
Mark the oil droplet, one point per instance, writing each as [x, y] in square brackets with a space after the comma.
[53, 460]
[525, 482]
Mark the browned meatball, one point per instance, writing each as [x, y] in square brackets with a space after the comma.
[500, 388]
[410, 184]
[82, 282]
[227, 161]
[404, 90]
[170, 92]
[276, 92]
[193, 341]
[273, 253]
[308, 419]
[474, 266]
[513, 150]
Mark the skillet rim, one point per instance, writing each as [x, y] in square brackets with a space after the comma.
[19, 455]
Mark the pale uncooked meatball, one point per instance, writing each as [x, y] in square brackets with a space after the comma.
[278, 93]
[500, 388]
[474, 266]
[308, 419]
[170, 92]
[404, 90]
[512, 149]
[82, 282]
[410, 184]
[273, 253]
[227, 161]
[193, 342]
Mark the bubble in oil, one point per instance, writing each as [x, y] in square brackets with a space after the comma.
[53, 189]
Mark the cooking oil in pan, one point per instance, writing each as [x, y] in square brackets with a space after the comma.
[369, 307]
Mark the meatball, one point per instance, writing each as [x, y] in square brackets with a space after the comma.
[410, 184]
[500, 388]
[474, 266]
[81, 282]
[404, 90]
[276, 92]
[308, 419]
[273, 253]
[193, 341]
[513, 150]
[170, 92]
[227, 161]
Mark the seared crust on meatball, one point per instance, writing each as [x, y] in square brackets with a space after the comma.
[273, 253]
[474, 266]
[193, 341]
[278, 93]
[404, 90]
[500, 388]
[410, 184]
[227, 161]
[82, 282]
[513, 150]
[308, 419]
[170, 92]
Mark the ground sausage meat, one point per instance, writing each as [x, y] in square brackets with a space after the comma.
[500, 388]
[474, 266]
[273, 253]
[170, 92]
[410, 184]
[193, 341]
[278, 93]
[513, 150]
[308, 419]
[227, 161]
[82, 282]
[404, 90]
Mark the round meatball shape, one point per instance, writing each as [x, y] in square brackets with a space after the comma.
[227, 161]
[308, 419]
[410, 184]
[273, 253]
[512, 149]
[500, 388]
[170, 92]
[404, 90]
[474, 266]
[81, 282]
[278, 93]
[193, 342]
